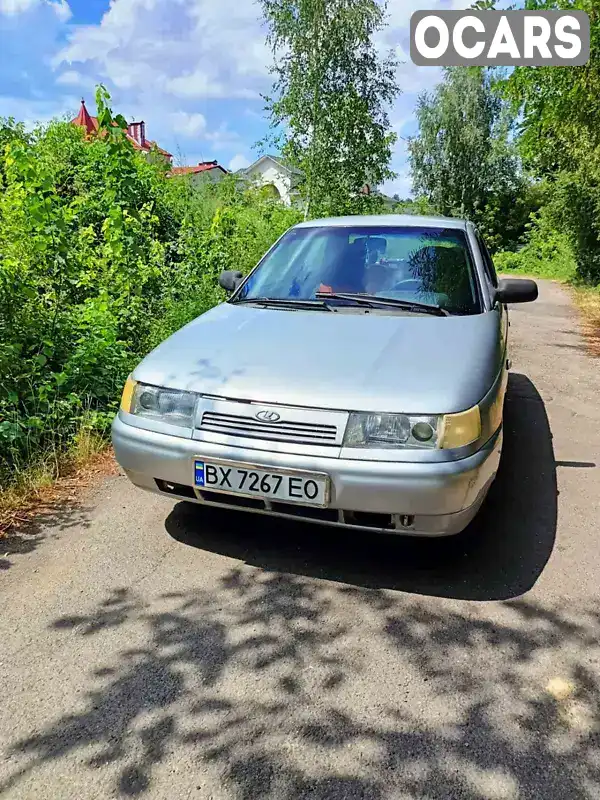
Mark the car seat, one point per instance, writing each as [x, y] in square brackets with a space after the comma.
[349, 272]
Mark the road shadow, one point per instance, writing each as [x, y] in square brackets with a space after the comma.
[29, 535]
[262, 687]
[500, 556]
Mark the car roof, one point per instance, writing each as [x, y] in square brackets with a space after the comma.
[386, 221]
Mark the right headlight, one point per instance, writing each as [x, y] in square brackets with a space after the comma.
[172, 406]
[414, 432]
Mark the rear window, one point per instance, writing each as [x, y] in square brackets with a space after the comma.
[429, 265]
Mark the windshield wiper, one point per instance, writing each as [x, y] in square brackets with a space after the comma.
[282, 301]
[373, 300]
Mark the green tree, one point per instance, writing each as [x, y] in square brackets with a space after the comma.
[463, 160]
[419, 206]
[560, 108]
[330, 98]
[559, 139]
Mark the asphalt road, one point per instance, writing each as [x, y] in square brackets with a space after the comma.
[157, 650]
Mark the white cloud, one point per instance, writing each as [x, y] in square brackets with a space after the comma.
[13, 7]
[38, 112]
[239, 161]
[71, 78]
[16, 6]
[193, 84]
[198, 84]
[223, 137]
[399, 124]
[188, 124]
[188, 48]
[396, 37]
[400, 185]
[195, 126]
[62, 9]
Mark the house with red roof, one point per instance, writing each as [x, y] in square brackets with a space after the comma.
[136, 133]
[204, 171]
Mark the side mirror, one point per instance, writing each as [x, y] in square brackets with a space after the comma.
[230, 280]
[516, 290]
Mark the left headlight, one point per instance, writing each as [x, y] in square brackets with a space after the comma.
[413, 432]
[393, 430]
[171, 406]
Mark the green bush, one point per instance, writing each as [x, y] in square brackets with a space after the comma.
[545, 253]
[575, 207]
[101, 257]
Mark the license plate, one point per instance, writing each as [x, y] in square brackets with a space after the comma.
[287, 486]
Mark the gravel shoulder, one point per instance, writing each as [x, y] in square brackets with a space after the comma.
[159, 650]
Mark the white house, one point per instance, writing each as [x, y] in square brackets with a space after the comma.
[269, 171]
[282, 181]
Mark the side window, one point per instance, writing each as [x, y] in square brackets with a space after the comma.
[487, 261]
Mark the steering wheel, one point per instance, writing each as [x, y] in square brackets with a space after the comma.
[409, 284]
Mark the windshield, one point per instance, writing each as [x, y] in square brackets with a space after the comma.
[424, 265]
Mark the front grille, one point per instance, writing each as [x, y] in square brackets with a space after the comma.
[296, 432]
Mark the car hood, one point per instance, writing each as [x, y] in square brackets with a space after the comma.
[349, 361]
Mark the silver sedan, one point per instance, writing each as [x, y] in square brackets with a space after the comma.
[355, 377]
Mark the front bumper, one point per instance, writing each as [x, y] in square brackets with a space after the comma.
[434, 499]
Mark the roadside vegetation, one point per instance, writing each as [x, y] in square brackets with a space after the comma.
[519, 154]
[101, 257]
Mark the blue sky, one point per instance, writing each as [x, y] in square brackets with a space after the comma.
[192, 69]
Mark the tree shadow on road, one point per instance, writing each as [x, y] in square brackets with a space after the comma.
[31, 534]
[500, 556]
[273, 687]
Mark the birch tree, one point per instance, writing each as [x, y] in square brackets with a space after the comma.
[330, 101]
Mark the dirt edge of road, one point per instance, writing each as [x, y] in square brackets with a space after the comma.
[587, 302]
[65, 492]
